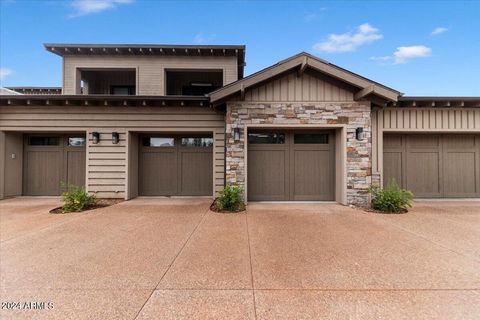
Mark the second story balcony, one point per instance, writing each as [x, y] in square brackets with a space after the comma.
[148, 70]
[107, 81]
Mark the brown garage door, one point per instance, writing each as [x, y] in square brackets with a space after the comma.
[434, 165]
[172, 165]
[51, 159]
[291, 165]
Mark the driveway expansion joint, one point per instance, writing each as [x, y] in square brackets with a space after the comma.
[173, 261]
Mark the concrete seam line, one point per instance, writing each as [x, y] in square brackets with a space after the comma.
[173, 261]
[400, 227]
[251, 266]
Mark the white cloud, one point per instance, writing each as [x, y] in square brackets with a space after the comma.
[84, 7]
[404, 54]
[4, 73]
[382, 58]
[200, 38]
[350, 41]
[312, 16]
[438, 30]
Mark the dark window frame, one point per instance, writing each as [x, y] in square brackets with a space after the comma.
[276, 137]
[46, 139]
[131, 89]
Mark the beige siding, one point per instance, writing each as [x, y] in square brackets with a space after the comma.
[308, 87]
[150, 69]
[430, 119]
[11, 163]
[453, 120]
[107, 163]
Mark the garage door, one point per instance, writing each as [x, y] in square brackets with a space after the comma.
[176, 165]
[50, 160]
[291, 165]
[434, 165]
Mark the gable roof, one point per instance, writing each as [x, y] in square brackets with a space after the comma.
[302, 61]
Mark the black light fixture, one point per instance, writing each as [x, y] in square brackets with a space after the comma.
[236, 134]
[95, 137]
[115, 137]
[359, 135]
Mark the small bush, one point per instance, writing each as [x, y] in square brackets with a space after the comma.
[76, 198]
[231, 199]
[391, 199]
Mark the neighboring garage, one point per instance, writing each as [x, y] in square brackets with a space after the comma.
[434, 165]
[176, 165]
[291, 165]
[49, 160]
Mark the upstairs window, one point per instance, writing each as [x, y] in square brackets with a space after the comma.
[192, 82]
[122, 90]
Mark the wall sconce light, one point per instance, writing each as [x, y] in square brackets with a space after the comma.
[359, 134]
[236, 134]
[95, 137]
[115, 137]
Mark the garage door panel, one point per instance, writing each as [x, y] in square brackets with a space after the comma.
[267, 175]
[76, 161]
[393, 164]
[300, 166]
[50, 159]
[424, 141]
[43, 172]
[437, 165]
[312, 179]
[459, 142]
[196, 173]
[460, 176]
[158, 172]
[392, 142]
[176, 165]
[423, 174]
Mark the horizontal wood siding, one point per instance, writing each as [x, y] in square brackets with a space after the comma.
[150, 69]
[308, 87]
[106, 162]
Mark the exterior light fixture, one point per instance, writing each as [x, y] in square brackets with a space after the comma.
[359, 134]
[95, 137]
[115, 137]
[236, 134]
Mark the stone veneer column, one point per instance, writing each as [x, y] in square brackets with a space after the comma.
[351, 114]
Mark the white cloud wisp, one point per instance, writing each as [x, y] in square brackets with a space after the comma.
[350, 41]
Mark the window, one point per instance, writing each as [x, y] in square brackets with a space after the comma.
[158, 142]
[192, 82]
[310, 138]
[197, 142]
[76, 141]
[266, 138]
[44, 141]
[122, 90]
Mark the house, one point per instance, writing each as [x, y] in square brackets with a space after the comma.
[181, 120]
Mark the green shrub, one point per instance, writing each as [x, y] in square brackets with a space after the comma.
[392, 199]
[76, 198]
[231, 199]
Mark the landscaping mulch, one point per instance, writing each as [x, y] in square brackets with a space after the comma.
[214, 208]
[101, 203]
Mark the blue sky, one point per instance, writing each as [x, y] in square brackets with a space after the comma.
[419, 48]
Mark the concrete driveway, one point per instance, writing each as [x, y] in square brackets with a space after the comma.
[174, 259]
